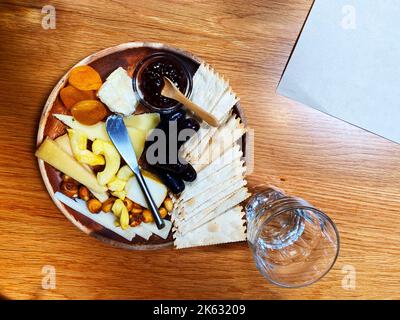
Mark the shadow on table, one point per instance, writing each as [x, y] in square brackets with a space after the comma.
[3, 297]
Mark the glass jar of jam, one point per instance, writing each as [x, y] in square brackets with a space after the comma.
[148, 81]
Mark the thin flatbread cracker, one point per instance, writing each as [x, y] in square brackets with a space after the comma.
[199, 219]
[225, 104]
[199, 149]
[208, 87]
[216, 150]
[180, 217]
[229, 156]
[203, 201]
[233, 170]
[228, 227]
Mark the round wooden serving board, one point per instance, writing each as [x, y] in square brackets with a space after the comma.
[104, 62]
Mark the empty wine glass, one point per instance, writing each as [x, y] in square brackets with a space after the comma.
[293, 243]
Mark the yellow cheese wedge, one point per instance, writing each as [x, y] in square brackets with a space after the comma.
[157, 189]
[50, 152]
[138, 139]
[63, 142]
[145, 122]
[98, 131]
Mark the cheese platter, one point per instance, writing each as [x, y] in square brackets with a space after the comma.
[196, 175]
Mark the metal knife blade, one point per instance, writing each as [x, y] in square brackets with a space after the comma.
[119, 136]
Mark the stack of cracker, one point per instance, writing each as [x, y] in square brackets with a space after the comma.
[208, 211]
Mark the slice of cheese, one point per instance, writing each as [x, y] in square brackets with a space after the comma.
[50, 152]
[117, 93]
[64, 143]
[145, 122]
[105, 219]
[163, 233]
[98, 131]
[157, 190]
[228, 227]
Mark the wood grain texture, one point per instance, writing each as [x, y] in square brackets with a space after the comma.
[350, 174]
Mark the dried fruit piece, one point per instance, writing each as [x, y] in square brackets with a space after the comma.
[85, 78]
[89, 112]
[70, 96]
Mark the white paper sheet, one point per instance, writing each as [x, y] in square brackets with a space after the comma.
[347, 64]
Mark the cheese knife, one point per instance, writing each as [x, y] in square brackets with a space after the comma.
[119, 136]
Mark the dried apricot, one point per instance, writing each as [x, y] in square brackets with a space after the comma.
[70, 96]
[85, 78]
[89, 112]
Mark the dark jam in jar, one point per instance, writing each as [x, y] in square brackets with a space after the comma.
[151, 81]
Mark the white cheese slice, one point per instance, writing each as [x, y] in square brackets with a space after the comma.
[117, 93]
[163, 233]
[96, 131]
[104, 219]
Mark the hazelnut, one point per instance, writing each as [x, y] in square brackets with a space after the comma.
[84, 193]
[137, 210]
[163, 212]
[70, 189]
[66, 178]
[147, 216]
[128, 204]
[94, 205]
[136, 205]
[107, 205]
[135, 220]
[135, 223]
[168, 204]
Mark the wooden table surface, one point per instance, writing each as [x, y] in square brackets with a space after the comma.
[350, 174]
